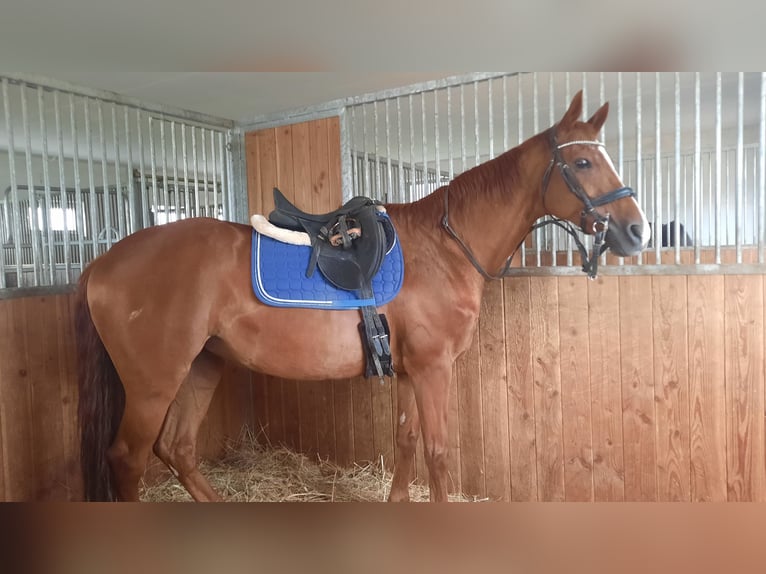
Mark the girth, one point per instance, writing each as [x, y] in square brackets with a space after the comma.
[348, 246]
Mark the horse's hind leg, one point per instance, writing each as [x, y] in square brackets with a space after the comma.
[408, 429]
[176, 445]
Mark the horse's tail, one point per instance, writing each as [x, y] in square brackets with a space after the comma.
[101, 401]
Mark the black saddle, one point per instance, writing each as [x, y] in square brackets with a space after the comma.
[348, 246]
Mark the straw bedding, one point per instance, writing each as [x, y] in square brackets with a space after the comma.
[252, 472]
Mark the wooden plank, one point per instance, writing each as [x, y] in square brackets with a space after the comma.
[46, 421]
[344, 428]
[267, 167]
[494, 394]
[361, 398]
[546, 372]
[321, 202]
[68, 394]
[292, 414]
[453, 431]
[605, 389]
[743, 328]
[306, 404]
[270, 145]
[637, 376]
[671, 383]
[521, 396]
[344, 422]
[468, 370]
[5, 404]
[18, 445]
[382, 422]
[575, 388]
[707, 389]
[252, 161]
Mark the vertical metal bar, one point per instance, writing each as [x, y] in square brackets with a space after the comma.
[451, 167]
[36, 237]
[214, 175]
[620, 137]
[203, 147]
[657, 164]
[63, 195]
[425, 146]
[411, 190]
[718, 165]
[377, 194]
[739, 191]
[185, 159]
[196, 172]
[677, 186]
[568, 98]
[462, 127]
[130, 223]
[365, 165]
[389, 173]
[476, 144]
[354, 153]
[155, 208]
[15, 206]
[174, 152]
[105, 200]
[79, 206]
[602, 99]
[118, 177]
[225, 188]
[400, 197]
[164, 158]
[584, 77]
[48, 232]
[437, 158]
[762, 173]
[639, 167]
[506, 142]
[142, 173]
[491, 119]
[411, 129]
[552, 120]
[697, 196]
[536, 126]
[520, 114]
[94, 220]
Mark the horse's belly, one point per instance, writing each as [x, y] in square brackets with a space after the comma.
[297, 343]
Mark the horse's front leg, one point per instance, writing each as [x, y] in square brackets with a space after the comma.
[431, 386]
[407, 432]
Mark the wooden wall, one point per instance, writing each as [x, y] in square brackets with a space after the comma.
[39, 445]
[623, 388]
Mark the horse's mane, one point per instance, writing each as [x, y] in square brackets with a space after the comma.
[491, 182]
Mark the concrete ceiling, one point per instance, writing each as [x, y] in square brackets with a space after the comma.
[242, 96]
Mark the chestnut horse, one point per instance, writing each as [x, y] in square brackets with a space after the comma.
[160, 313]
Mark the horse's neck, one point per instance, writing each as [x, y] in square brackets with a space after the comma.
[493, 210]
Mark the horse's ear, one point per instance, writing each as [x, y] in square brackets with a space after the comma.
[574, 112]
[597, 120]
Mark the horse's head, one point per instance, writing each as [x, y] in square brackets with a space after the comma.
[581, 184]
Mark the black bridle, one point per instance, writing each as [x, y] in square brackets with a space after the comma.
[600, 224]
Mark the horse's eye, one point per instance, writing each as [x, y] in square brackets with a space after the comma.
[582, 163]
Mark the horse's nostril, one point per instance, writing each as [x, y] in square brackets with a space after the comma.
[635, 232]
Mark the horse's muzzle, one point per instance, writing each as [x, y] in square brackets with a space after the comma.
[627, 238]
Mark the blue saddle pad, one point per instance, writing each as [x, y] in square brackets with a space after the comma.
[279, 278]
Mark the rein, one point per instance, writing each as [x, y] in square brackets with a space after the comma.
[599, 227]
